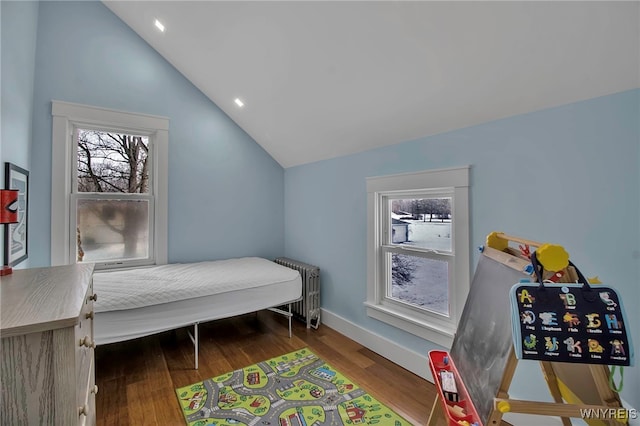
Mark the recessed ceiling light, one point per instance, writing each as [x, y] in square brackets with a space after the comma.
[159, 25]
[239, 102]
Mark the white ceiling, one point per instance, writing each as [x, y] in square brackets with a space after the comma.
[325, 79]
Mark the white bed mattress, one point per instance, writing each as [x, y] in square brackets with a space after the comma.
[141, 302]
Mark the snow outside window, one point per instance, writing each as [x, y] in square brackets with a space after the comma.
[418, 251]
[112, 197]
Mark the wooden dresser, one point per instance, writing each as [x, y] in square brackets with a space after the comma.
[46, 330]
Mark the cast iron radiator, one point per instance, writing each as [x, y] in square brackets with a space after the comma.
[308, 308]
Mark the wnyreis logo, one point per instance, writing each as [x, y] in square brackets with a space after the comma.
[609, 414]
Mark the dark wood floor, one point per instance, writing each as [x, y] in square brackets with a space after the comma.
[137, 379]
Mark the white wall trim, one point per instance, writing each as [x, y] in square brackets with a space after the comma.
[419, 365]
[422, 323]
[104, 116]
[431, 331]
[65, 115]
[436, 178]
[416, 363]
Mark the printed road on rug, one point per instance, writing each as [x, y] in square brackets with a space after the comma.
[296, 389]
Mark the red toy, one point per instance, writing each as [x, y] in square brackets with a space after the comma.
[457, 406]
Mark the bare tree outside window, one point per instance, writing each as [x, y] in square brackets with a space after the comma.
[418, 251]
[112, 227]
[112, 162]
[421, 208]
[415, 279]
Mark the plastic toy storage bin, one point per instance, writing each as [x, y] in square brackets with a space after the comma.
[437, 364]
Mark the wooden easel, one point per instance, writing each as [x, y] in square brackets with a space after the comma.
[582, 386]
[504, 404]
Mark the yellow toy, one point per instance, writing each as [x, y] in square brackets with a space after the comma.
[495, 241]
[456, 410]
[552, 257]
[504, 407]
[500, 241]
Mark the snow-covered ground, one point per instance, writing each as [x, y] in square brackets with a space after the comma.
[431, 235]
[428, 280]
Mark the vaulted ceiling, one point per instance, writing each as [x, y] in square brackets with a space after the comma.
[321, 79]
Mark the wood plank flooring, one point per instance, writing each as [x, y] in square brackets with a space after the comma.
[137, 379]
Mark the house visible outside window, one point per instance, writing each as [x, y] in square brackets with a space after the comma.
[418, 251]
[109, 204]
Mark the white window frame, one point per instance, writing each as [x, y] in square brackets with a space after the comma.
[67, 117]
[450, 182]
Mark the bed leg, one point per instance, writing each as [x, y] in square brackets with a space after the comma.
[194, 340]
[290, 315]
[196, 343]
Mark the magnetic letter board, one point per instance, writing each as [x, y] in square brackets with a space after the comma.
[568, 323]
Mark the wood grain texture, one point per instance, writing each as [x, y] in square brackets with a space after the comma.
[31, 299]
[64, 363]
[45, 373]
[27, 370]
[137, 379]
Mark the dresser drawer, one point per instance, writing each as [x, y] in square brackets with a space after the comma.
[46, 375]
[84, 350]
[93, 390]
[87, 410]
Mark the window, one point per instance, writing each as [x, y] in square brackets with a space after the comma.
[111, 197]
[109, 186]
[418, 251]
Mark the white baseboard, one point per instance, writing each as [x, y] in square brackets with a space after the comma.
[416, 363]
[419, 365]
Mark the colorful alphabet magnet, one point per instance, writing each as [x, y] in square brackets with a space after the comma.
[566, 323]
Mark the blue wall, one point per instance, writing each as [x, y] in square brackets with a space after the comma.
[566, 175]
[226, 193]
[19, 28]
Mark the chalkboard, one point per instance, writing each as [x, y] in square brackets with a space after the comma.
[483, 341]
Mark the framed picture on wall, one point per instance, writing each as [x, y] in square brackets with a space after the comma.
[15, 236]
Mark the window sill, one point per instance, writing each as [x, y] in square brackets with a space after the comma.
[122, 266]
[442, 336]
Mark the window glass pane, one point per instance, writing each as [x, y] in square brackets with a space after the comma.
[112, 162]
[111, 230]
[422, 222]
[420, 282]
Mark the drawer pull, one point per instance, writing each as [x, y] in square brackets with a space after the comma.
[94, 390]
[87, 342]
[83, 411]
[94, 297]
[90, 315]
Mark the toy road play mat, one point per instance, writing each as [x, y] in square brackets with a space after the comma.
[294, 389]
